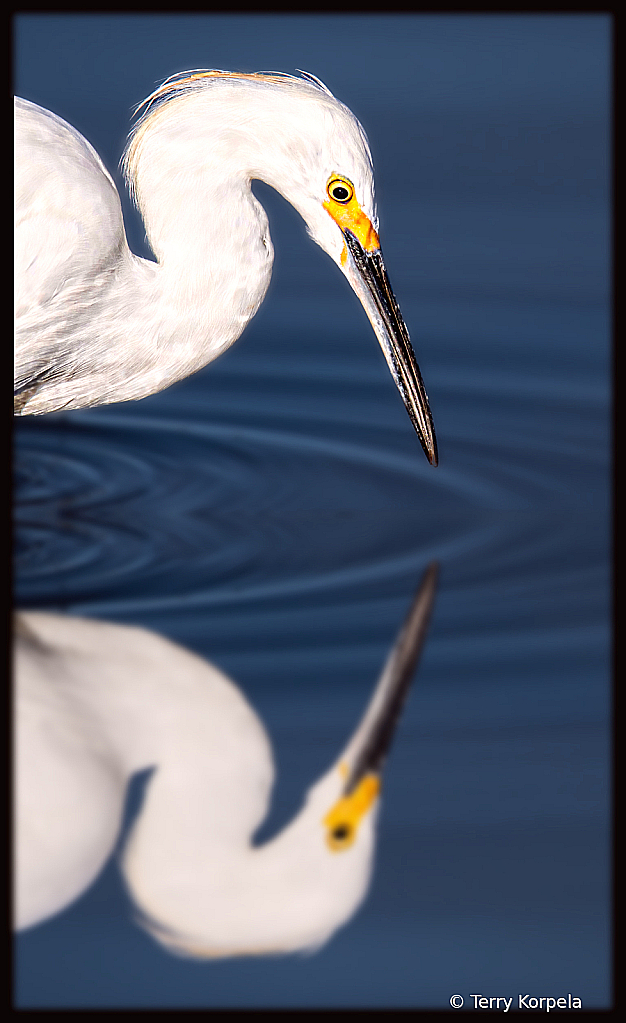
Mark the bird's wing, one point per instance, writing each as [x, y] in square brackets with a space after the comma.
[69, 235]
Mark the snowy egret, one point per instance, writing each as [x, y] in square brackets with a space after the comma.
[97, 324]
[97, 702]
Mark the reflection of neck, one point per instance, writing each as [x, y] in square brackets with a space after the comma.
[98, 703]
[221, 897]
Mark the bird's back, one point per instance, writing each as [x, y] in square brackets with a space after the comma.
[67, 210]
[68, 230]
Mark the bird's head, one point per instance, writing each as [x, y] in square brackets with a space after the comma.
[321, 163]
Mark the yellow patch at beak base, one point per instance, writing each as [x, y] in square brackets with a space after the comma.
[343, 820]
[350, 217]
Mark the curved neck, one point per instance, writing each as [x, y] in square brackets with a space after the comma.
[189, 156]
[190, 175]
[211, 239]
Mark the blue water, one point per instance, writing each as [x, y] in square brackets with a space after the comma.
[275, 511]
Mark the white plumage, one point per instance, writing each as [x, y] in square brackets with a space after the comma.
[97, 324]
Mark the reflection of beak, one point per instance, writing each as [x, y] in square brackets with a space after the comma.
[370, 744]
[368, 276]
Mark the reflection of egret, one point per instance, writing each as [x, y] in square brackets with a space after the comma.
[97, 702]
[97, 324]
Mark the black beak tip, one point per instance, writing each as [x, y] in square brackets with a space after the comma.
[429, 444]
[396, 345]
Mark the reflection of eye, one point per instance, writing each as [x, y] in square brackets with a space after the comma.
[341, 835]
[340, 189]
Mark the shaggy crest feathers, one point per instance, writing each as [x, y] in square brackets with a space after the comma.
[187, 81]
[184, 82]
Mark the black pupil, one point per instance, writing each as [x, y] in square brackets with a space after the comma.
[340, 192]
[341, 832]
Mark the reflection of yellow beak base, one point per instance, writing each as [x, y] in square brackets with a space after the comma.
[344, 818]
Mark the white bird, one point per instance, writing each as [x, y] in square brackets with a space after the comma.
[96, 702]
[97, 324]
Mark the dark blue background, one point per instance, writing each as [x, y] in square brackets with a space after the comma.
[275, 511]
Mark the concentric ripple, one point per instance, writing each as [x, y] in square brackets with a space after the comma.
[245, 513]
[120, 509]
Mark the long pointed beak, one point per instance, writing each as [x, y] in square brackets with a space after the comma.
[366, 272]
[369, 746]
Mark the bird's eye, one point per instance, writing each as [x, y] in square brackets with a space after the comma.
[340, 189]
[341, 835]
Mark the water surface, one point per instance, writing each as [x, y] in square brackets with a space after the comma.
[275, 511]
